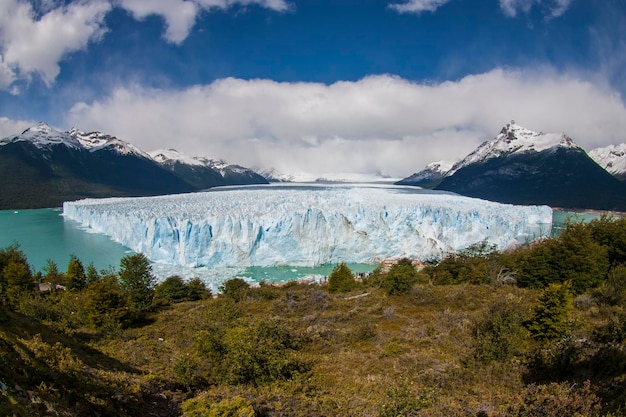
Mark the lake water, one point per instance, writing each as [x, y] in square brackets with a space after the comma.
[45, 233]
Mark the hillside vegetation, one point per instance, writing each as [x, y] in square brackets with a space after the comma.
[539, 331]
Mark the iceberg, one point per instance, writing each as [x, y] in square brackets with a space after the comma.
[306, 225]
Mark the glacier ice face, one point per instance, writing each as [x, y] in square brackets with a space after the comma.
[306, 225]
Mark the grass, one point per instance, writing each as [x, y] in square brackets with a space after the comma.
[367, 354]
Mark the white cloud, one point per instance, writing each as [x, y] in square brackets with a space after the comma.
[9, 127]
[32, 44]
[180, 15]
[418, 6]
[380, 123]
[552, 8]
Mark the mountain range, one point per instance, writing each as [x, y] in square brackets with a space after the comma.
[42, 167]
[520, 166]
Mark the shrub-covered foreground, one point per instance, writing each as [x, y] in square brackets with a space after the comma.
[536, 332]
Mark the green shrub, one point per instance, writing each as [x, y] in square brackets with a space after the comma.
[204, 407]
[341, 279]
[550, 315]
[499, 334]
[172, 290]
[613, 290]
[235, 289]
[400, 278]
[574, 256]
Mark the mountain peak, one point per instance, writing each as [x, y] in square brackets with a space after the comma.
[515, 139]
[612, 158]
[43, 135]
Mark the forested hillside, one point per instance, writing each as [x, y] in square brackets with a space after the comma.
[538, 331]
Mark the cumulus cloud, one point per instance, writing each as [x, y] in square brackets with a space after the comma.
[552, 8]
[180, 15]
[418, 6]
[379, 123]
[34, 41]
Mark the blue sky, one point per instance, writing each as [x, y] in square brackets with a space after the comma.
[316, 86]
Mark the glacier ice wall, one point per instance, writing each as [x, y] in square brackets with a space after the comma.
[306, 226]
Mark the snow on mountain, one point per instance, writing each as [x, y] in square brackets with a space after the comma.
[164, 156]
[43, 136]
[612, 158]
[306, 225]
[172, 156]
[430, 175]
[95, 141]
[514, 139]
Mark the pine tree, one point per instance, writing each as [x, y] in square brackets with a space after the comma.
[75, 279]
[550, 314]
[52, 274]
[341, 279]
[91, 274]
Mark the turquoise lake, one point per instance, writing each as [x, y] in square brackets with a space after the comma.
[45, 233]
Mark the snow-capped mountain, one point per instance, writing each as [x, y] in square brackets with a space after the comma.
[612, 158]
[430, 176]
[96, 141]
[521, 166]
[43, 137]
[43, 166]
[515, 139]
[204, 172]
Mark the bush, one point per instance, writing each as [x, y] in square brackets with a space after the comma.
[204, 407]
[556, 400]
[400, 278]
[550, 314]
[574, 256]
[341, 279]
[613, 290]
[254, 354]
[499, 334]
[235, 289]
[172, 290]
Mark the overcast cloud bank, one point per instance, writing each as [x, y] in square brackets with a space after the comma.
[380, 123]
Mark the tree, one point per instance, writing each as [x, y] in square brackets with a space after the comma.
[197, 290]
[400, 278]
[172, 290]
[11, 254]
[574, 256]
[137, 281]
[75, 279]
[52, 274]
[106, 303]
[91, 274]
[550, 314]
[341, 279]
[236, 289]
[18, 279]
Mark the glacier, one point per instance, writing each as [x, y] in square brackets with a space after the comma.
[306, 225]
